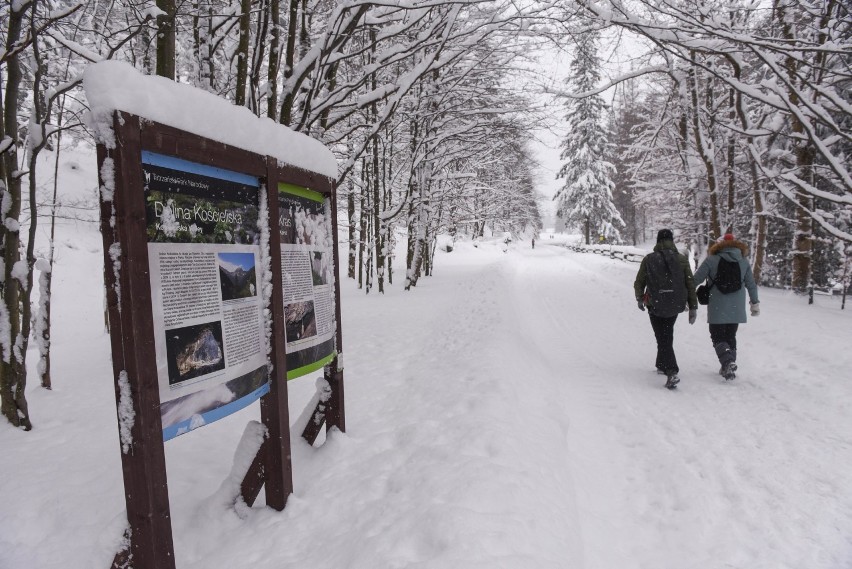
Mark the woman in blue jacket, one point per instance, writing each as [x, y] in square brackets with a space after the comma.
[725, 312]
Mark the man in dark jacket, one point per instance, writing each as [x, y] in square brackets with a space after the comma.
[664, 285]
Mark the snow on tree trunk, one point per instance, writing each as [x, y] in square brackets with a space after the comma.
[42, 319]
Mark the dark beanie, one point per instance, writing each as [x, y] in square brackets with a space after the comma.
[665, 235]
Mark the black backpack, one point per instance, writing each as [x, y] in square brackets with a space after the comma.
[665, 283]
[728, 276]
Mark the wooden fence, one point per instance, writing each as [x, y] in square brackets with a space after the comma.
[621, 252]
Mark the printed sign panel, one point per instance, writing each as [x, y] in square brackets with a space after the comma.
[307, 269]
[204, 255]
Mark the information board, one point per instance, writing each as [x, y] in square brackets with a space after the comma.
[204, 260]
[307, 269]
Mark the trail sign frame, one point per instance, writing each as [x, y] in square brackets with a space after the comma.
[149, 541]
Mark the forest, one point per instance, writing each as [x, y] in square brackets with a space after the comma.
[731, 116]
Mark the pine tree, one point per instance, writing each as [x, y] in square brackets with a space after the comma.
[586, 197]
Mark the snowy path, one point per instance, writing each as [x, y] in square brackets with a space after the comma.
[462, 447]
[516, 422]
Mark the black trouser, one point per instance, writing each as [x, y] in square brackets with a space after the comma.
[664, 332]
[724, 338]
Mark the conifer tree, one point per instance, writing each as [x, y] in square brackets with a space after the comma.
[586, 197]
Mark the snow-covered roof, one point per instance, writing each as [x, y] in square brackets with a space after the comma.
[115, 85]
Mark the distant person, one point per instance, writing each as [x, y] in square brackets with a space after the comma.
[726, 270]
[664, 285]
[533, 242]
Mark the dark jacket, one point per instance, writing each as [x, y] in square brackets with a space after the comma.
[727, 308]
[641, 281]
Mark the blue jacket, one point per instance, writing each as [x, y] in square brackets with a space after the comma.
[727, 308]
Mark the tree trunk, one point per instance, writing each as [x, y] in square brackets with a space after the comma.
[362, 225]
[731, 170]
[350, 211]
[209, 65]
[421, 225]
[757, 193]
[258, 54]
[289, 62]
[38, 138]
[166, 39]
[145, 41]
[388, 239]
[13, 378]
[197, 41]
[704, 153]
[378, 242]
[803, 239]
[243, 53]
[272, 72]
[43, 320]
[368, 245]
[760, 237]
[412, 238]
[46, 279]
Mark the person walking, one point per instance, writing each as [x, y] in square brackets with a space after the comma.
[729, 276]
[664, 284]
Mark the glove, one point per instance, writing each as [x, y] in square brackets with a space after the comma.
[755, 309]
[693, 314]
[641, 304]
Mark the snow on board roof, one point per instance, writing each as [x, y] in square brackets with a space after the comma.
[116, 85]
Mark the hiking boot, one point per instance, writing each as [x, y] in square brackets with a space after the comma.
[728, 371]
[672, 380]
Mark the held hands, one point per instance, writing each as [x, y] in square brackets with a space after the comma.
[693, 314]
[641, 304]
[755, 309]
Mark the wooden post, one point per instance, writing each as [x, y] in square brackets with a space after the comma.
[143, 461]
[274, 409]
[336, 415]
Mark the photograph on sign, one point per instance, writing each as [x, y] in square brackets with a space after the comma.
[237, 275]
[307, 268]
[203, 251]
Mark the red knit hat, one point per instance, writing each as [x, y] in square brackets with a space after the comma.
[728, 237]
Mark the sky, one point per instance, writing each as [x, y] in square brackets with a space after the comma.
[232, 261]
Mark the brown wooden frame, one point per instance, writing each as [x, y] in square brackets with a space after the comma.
[149, 543]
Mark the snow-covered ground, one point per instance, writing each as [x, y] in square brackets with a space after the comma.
[504, 414]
